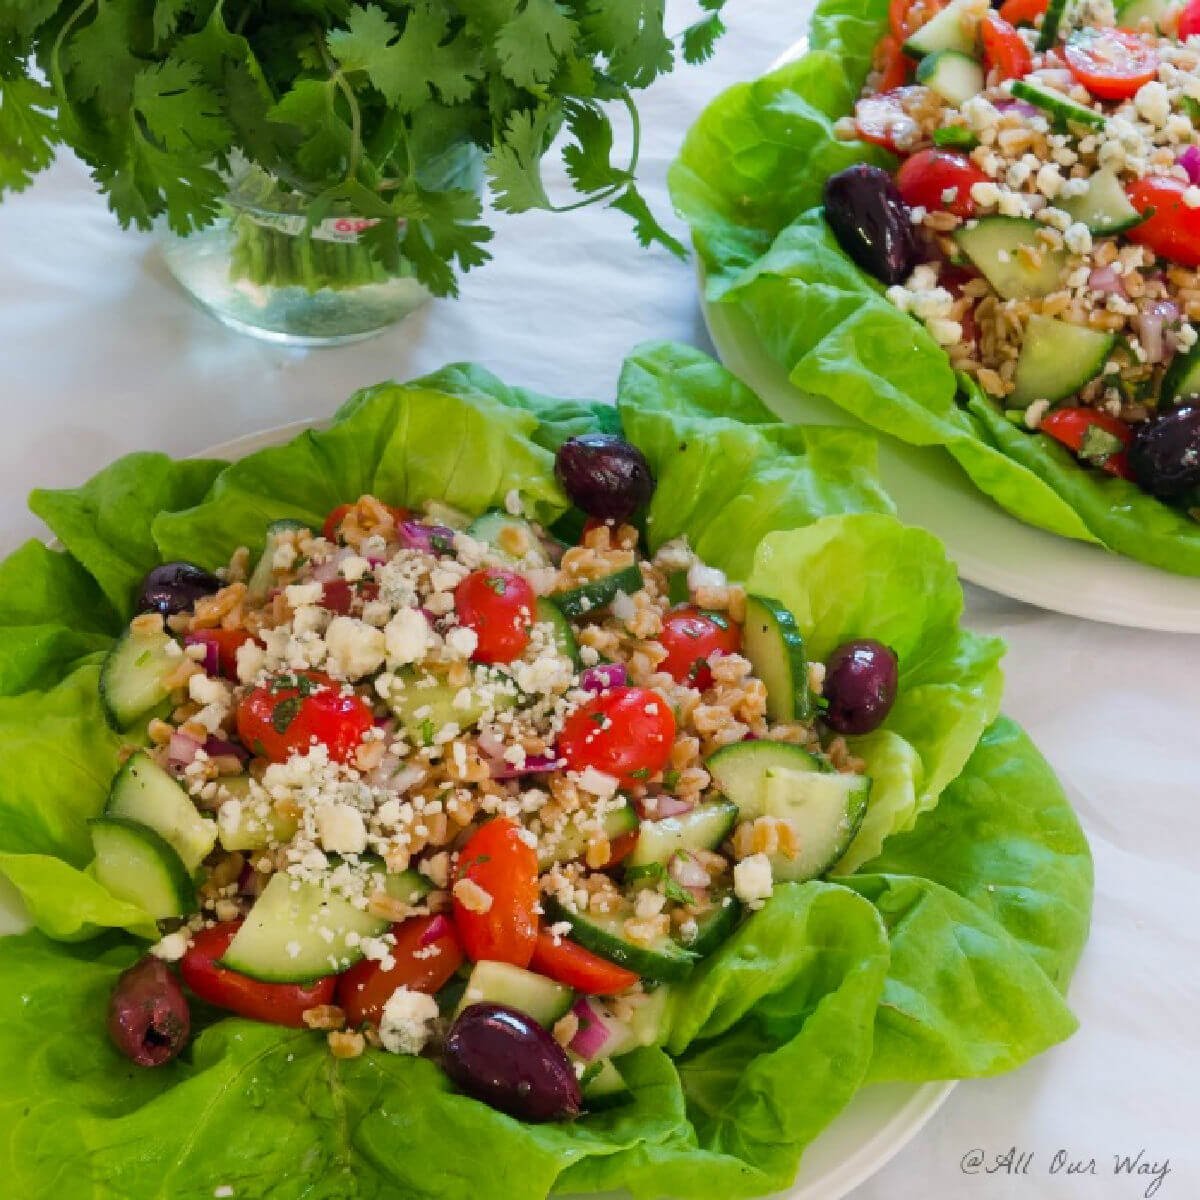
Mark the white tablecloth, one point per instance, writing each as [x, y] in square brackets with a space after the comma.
[100, 353]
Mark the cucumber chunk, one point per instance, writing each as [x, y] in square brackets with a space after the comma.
[1057, 359]
[715, 925]
[740, 771]
[139, 866]
[297, 932]
[262, 579]
[771, 640]
[1103, 208]
[409, 886]
[239, 826]
[502, 983]
[1131, 13]
[576, 602]
[994, 245]
[1057, 106]
[954, 76]
[423, 705]
[513, 538]
[564, 635]
[571, 842]
[1183, 376]
[604, 934]
[603, 1087]
[825, 810]
[144, 792]
[704, 828]
[954, 28]
[133, 674]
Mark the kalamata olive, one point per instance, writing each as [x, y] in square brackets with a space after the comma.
[507, 1060]
[148, 1016]
[871, 222]
[604, 475]
[860, 685]
[1165, 455]
[174, 587]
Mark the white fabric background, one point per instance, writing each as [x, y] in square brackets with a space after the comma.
[100, 353]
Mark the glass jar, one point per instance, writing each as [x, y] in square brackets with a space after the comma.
[259, 271]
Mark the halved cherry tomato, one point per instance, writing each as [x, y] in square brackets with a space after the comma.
[620, 848]
[569, 963]
[1171, 229]
[498, 605]
[1111, 63]
[281, 718]
[1070, 425]
[894, 65]
[883, 120]
[333, 522]
[1004, 49]
[1189, 21]
[691, 636]
[277, 1003]
[499, 860]
[227, 642]
[427, 953]
[905, 17]
[926, 179]
[341, 596]
[627, 732]
[1023, 12]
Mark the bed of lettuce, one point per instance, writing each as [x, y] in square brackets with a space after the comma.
[941, 949]
[749, 182]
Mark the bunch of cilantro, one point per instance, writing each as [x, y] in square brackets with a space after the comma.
[348, 105]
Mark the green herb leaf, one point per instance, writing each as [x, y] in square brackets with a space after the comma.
[513, 167]
[284, 713]
[530, 46]
[645, 225]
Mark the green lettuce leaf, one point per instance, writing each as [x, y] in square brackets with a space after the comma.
[950, 679]
[105, 523]
[402, 444]
[747, 179]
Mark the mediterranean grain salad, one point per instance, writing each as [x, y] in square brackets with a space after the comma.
[1044, 221]
[434, 782]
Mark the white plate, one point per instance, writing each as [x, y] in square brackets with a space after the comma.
[879, 1122]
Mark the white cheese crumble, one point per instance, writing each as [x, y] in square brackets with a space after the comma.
[752, 880]
[341, 829]
[355, 648]
[407, 1021]
[174, 946]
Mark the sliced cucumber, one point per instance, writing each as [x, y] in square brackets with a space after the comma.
[954, 28]
[714, 926]
[704, 828]
[955, 137]
[588, 597]
[564, 635]
[604, 934]
[262, 580]
[502, 983]
[1103, 208]
[648, 1024]
[1056, 105]
[825, 810]
[297, 932]
[1132, 12]
[603, 1087]
[138, 865]
[1051, 23]
[239, 826]
[994, 245]
[513, 538]
[133, 674]
[144, 792]
[1183, 376]
[1057, 359]
[771, 640]
[409, 887]
[740, 771]
[424, 707]
[571, 842]
[954, 76]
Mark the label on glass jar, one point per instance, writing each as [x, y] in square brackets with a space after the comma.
[332, 229]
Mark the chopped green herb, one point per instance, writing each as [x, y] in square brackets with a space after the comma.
[284, 713]
[670, 779]
[142, 659]
[427, 732]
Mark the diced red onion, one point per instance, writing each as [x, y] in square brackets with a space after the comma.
[654, 808]
[553, 547]
[212, 661]
[1150, 328]
[686, 871]
[1017, 106]
[1189, 160]
[413, 535]
[439, 927]
[1107, 281]
[251, 882]
[216, 747]
[182, 748]
[329, 569]
[533, 764]
[601, 678]
[593, 1033]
